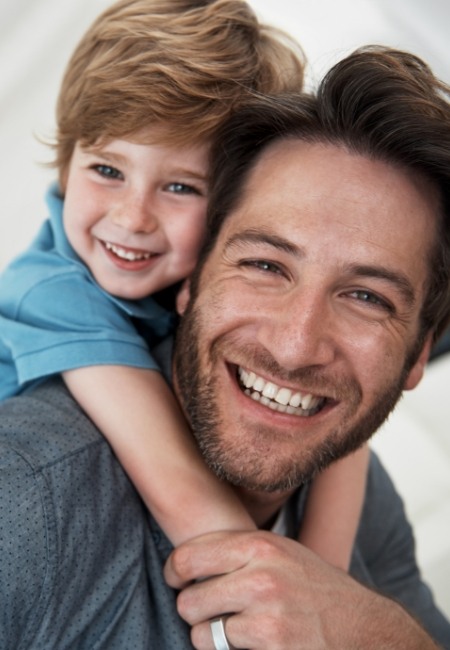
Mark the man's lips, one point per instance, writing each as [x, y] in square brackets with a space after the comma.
[278, 398]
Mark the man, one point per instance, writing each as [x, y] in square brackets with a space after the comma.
[325, 275]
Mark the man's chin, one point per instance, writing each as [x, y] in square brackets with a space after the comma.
[252, 457]
[245, 469]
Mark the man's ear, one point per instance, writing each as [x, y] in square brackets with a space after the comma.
[416, 372]
[183, 296]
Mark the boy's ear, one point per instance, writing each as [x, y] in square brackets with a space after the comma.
[183, 296]
[416, 372]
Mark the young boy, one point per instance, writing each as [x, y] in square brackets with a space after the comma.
[142, 97]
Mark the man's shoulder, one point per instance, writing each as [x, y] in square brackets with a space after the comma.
[72, 528]
[46, 425]
[385, 539]
[48, 445]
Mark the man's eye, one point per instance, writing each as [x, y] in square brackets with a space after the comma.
[371, 298]
[108, 172]
[181, 188]
[263, 265]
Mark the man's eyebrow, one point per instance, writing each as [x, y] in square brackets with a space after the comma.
[399, 280]
[251, 236]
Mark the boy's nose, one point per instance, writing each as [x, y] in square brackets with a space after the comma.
[136, 215]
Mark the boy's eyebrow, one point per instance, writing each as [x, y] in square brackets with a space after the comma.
[120, 159]
[190, 172]
[398, 279]
[104, 153]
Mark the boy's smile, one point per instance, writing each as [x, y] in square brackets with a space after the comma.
[129, 259]
[135, 213]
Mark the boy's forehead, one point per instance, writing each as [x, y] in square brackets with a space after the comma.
[198, 151]
[168, 135]
[156, 133]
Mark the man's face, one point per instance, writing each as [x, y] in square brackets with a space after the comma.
[297, 345]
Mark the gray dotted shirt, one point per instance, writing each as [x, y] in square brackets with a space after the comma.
[81, 560]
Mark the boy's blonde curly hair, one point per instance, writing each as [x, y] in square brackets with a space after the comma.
[182, 65]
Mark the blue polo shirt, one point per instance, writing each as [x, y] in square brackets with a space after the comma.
[54, 316]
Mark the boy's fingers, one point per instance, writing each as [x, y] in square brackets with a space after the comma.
[206, 556]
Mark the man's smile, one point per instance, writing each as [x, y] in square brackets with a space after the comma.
[279, 398]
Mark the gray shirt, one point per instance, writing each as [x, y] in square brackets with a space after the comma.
[81, 559]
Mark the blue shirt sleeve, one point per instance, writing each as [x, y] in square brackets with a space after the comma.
[65, 321]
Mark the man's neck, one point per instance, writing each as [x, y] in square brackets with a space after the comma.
[263, 507]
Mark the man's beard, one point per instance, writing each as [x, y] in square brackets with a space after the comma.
[241, 463]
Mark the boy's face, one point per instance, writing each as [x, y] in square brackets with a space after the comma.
[135, 213]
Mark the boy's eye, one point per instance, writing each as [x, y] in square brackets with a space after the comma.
[108, 172]
[181, 188]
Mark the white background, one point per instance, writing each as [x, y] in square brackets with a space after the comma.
[36, 38]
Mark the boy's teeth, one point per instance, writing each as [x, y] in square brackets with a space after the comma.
[124, 254]
[275, 397]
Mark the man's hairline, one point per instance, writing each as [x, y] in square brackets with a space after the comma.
[339, 143]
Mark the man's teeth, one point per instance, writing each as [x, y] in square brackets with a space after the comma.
[124, 254]
[278, 398]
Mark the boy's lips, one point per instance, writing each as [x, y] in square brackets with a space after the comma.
[279, 398]
[128, 254]
[129, 259]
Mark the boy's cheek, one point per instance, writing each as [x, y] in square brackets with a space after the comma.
[183, 297]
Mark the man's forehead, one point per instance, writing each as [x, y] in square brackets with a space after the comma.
[323, 167]
[350, 199]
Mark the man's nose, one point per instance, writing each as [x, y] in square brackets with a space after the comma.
[300, 332]
[138, 214]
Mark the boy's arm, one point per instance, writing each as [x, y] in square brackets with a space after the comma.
[141, 419]
[334, 507]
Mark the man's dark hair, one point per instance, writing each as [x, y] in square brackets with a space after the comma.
[378, 102]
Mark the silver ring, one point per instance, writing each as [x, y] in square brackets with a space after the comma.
[218, 634]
